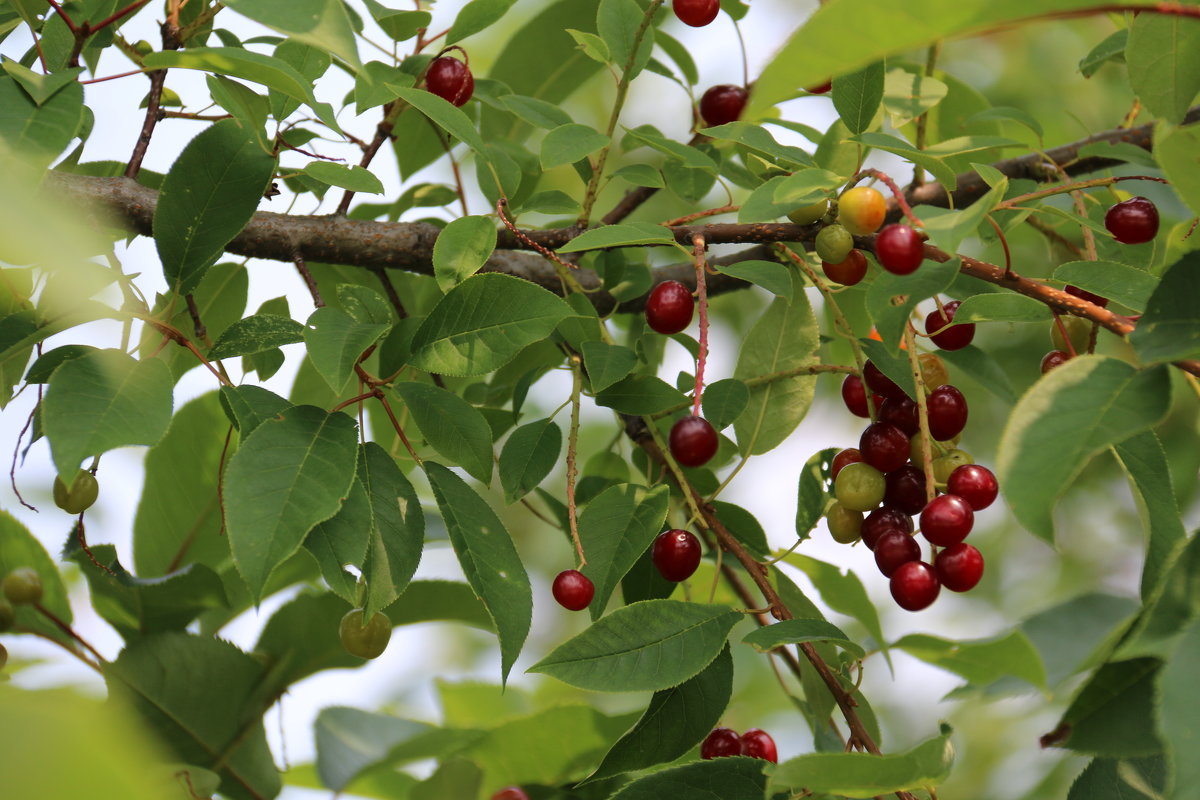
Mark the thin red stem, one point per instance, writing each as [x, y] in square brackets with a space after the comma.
[891, 184]
[702, 293]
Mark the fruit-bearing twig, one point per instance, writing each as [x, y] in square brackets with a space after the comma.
[702, 299]
[572, 454]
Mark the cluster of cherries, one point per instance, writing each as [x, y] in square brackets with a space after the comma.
[755, 743]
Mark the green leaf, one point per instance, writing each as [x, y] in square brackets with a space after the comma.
[19, 548]
[795, 631]
[447, 117]
[256, 334]
[354, 178]
[676, 720]
[908, 95]
[857, 96]
[461, 249]
[476, 16]
[452, 601]
[941, 171]
[322, 23]
[341, 541]
[249, 108]
[38, 86]
[221, 300]
[640, 394]
[1170, 328]
[365, 305]
[678, 54]
[248, 406]
[1170, 607]
[528, 456]
[1178, 712]
[606, 363]
[646, 646]
[104, 400]
[400, 26]
[1113, 713]
[981, 366]
[618, 22]
[488, 559]
[724, 401]
[1075, 411]
[624, 235]
[210, 193]
[1145, 462]
[1178, 151]
[807, 186]
[1111, 49]
[39, 132]
[200, 697]
[1001, 307]
[743, 525]
[1112, 779]
[641, 175]
[397, 531]
[1129, 286]
[301, 639]
[931, 279]
[689, 156]
[591, 45]
[336, 341]
[841, 591]
[980, 661]
[451, 425]
[615, 529]
[892, 363]
[537, 113]
[770, 275]
[1163, 55]
[948, 229]
[718, 779]
[569, 143]
[481, 325]
[783, 339]
[292, 472]
[811, 497]
[865, 775]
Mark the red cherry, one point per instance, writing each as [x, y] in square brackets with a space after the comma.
[894, 549]
[882, 521]
[693, 441]
[820, 88]
[850, 455]
[721, 742]
[975, 484]
[848, 272]
[450, 79]
[905, 489]
[573, 590]
[899, 249]
[511, 793]
[722, 103]
[855, 396]
[901, 412]
[947, 520]
[1084, 294]
[696, 13]
[676, 553]
[947, 412]
[669, 307]
[959, 567]
[915, 586]
[1132, 222]
[879, 383]
[1055, 358]
[884, 446]
[757, 743]
[955, 338]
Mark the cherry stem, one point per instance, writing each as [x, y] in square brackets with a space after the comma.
[922, 413]
[58, 9]
[68, 630]
[398, 428]
[177, 336]
[896, 193]
[12, 472]
[572, 456]
[560, 266]
[83, 545]
[1062, 329]
[1008, 273]
[702, 292]
[113, 77]
[72, 650]
[1064, 188]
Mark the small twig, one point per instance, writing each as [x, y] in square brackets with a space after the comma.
[113, 77]
[711, 212]
[73, 651]
[197, 323]
[12, 472]
[309, 280]
[1054, 236]
[702, 300]
[58, 9]
[1008, 273]
[398, 428]
[572, 457]
[68, 630]
[383, 132]
[83, 545]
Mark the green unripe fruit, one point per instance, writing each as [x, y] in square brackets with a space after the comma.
[8, 615]
[859, 487]
[807, 215]
[833, 244]
[944, 465]
[365, 641]
[79, 497]
[22, 586]
[1079, 331]
[143, 48]
[844, 524]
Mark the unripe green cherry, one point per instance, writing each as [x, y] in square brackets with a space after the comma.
[365, 641]
[807, 215]
[80, 496]
[944, 465]
[844, 524]
[833, 244]
[22, 586]
[8, 615]
[1079, 330]
[859, 487]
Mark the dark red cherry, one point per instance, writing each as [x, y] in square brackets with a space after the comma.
[947, 412]
[901, 412]
[693, 441]
[959, 567]
[947, 520]
[955, 338]
[676, 553]
[855, 396]
[511, 793]
[893, 549]
[757, 743]
[915, 586]
[1084, 294]
[884, 446]
[573, 590]
[669, 307]
[850, 455]
[1055, 358]
[899, 249]
[696, 13]
[879, 383]
[722, 103]
[450, 79]
[848, 272]
[820, 88]
[721, 742]
[975, 484]
[1133, 221]
[905, 489]
[883, 520]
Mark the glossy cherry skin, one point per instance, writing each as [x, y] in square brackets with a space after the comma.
[861, 209]
[859, 487]
[947, 520]
[1133, 221]
[848, 272]
[905, 489]
[947, 413]
[365, 641]
[855, 396]
[669, 307]
[511, 793]
[884, 446]
[573, 590]
[883, 520]
[955, 338]
[850, 455]
[915, 586]
[696, 13]
[901, 412]
[1084, 294]
[693, 441]
[721, 742]
[879, 383]
[676, 554]
[975, 484]
[450, 79]
[757, 743]
[722, 103]
[959, 567]
[899, 249]
[893, 549]
[1055, 358]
